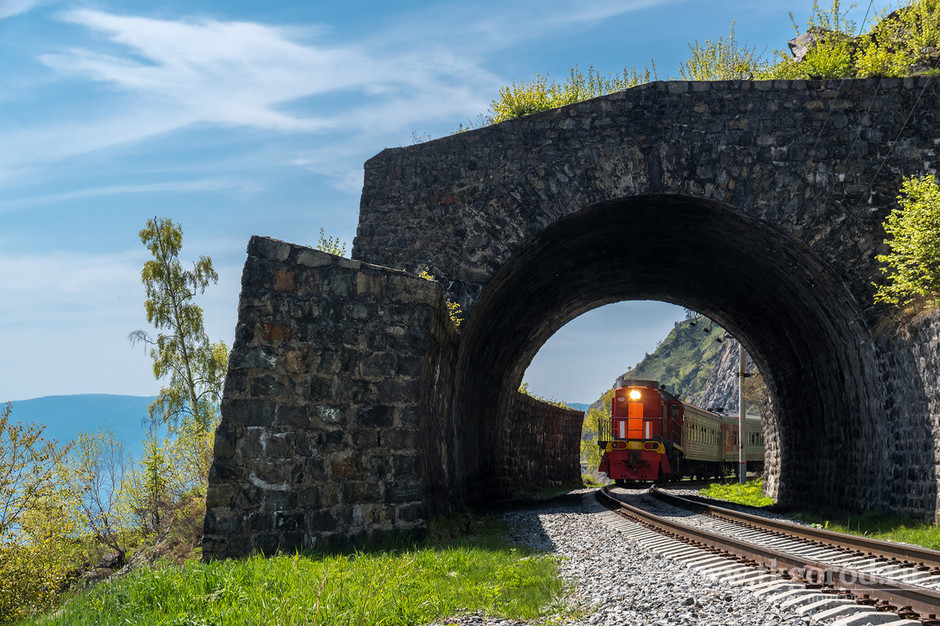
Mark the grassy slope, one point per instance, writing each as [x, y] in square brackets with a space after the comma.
[683, 360]
[394, 584]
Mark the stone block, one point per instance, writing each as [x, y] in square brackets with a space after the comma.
[360, 491]
[320, 521]
[410, 513]
[380, 416]
[259, 522]
[404, 491]
[267, 248]
[292, 416]
[249, 412]
[314, 258]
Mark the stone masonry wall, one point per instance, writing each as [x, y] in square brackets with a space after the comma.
[912, 374]
[553, 432]
[338, 416]
[800, 174]
[330, 418]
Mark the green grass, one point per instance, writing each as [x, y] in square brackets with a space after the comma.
[751, 493]
[412, 585]
[878, 525]
[590, 481]
[875, 524]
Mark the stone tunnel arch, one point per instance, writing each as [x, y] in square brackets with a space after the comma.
[351, 402]
[767, 288]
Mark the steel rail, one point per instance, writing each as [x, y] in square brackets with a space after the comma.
[869, 587]
[865, 545]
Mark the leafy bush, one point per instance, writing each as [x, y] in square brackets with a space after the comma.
[38, 546]
[453, 308]
[724, 59]
[542, 94]
[912, 267]
[901, 43]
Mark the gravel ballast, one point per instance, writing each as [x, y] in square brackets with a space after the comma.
[616, 580]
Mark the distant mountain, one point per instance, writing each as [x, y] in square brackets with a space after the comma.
[66, 416]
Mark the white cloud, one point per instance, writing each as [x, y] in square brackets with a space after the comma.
[66, 316]
[9, 8]
[165, 75]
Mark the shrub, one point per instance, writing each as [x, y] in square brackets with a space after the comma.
[724, 59]
[912, 267]
[542, 94]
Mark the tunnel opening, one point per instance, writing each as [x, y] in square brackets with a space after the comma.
[688, 356]
[798, 322]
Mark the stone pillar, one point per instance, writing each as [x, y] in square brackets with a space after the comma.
[339, 384]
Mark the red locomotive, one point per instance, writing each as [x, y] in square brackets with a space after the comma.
[652, 435]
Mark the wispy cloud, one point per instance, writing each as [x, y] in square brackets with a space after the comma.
[59, 274]
[9, 8]
[185, 186]
[164, 75]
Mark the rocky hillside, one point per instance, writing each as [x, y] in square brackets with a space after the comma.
[697, 362]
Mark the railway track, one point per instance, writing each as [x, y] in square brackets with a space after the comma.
[836, 578]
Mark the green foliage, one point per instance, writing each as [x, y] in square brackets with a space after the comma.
[592, 428]
[683, 359]
[751, 493]
[831, 58]
[37, 521]
[878, 525]
[524, 388]
[401, 584]
[833, 19]
[542, 94]
[96, 473]
[724, 59]
[331, 245]
[912, 267]
[196, 367]
[902, 43]
[27, 469]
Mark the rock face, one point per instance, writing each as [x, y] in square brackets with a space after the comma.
[721, 386]
[528, 224]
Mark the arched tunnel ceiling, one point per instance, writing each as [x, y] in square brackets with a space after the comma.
[756, 281]
[764, 286]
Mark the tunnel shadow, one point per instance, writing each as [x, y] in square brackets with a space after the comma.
[804, 330]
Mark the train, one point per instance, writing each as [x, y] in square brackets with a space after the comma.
[652, 435]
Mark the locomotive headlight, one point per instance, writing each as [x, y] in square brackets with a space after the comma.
[635, 394]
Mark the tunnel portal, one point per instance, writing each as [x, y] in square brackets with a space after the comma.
[354, 407]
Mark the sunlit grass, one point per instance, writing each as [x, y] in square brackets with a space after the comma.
[875, 524]
[879, 525]
[413, 585]
[751, 493]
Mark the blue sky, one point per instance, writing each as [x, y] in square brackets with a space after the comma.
[238, 118]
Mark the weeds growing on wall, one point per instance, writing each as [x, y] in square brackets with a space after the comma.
[904, 42]
[912, 266]
[453, 308]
